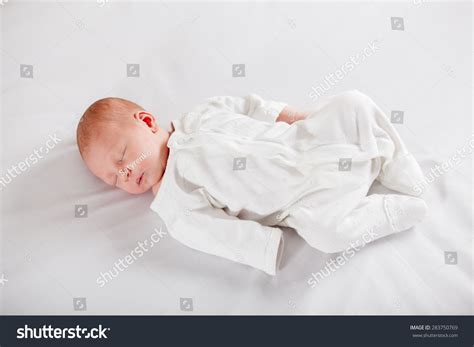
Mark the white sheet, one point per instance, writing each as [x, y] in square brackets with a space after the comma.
[79, 53]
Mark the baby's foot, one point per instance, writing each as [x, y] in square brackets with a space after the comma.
[403, 175]
[403, 212]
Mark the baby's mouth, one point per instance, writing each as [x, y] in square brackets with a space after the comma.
[139, 179]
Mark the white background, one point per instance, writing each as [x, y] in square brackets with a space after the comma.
[79, 53]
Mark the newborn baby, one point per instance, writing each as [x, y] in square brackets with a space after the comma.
[234, 170]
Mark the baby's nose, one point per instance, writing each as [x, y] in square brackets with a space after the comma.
[127, 172]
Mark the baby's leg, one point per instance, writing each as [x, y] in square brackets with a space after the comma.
[357, 117]
[400, 170]
[337, 214]
[330, 229]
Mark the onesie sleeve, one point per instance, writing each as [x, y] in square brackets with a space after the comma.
[211, 230]
[251, 105]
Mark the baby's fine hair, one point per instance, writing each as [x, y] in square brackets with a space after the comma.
[103, 112]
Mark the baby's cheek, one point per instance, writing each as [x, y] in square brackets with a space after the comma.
[147, 157]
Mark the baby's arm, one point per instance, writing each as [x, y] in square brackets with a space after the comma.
[251, 105]
[254, 106]
[290, 115]
[211, 230]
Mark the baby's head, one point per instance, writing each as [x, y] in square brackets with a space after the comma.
[123, 145]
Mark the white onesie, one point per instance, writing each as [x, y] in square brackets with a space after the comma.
[234, 175]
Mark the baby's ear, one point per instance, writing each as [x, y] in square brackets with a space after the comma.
[147, 118]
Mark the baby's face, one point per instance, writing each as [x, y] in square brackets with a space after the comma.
[131, 156]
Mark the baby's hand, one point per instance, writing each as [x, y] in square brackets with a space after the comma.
[290, 115]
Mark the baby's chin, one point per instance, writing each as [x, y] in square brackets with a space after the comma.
[142, 190]
[146, 186]
[149, 182]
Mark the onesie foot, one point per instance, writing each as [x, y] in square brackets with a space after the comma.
[403, 212]
[402, 174]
